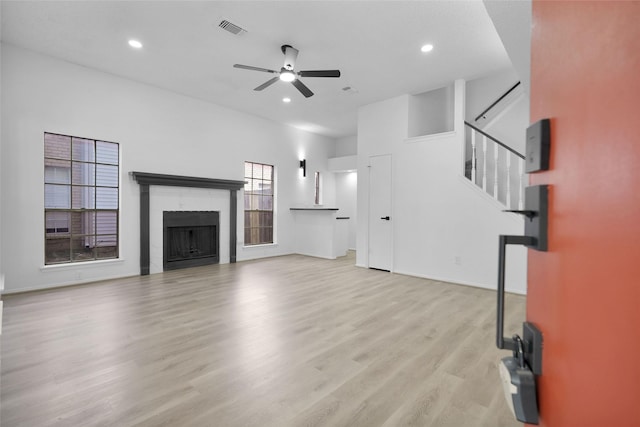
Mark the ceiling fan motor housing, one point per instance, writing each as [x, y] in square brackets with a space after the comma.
[290, 55]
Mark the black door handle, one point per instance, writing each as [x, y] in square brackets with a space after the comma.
[387, 218]
[502, 342]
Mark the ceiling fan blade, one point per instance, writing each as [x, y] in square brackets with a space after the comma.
[249, 67]
[268, 83]
[302, 88]
[320, 73]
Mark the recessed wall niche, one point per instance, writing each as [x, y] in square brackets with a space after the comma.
[431, 112]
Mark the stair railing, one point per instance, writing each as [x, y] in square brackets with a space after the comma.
[483, 115]
[490, 166]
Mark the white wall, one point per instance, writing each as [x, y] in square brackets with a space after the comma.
[444, 228]
[1, 150]
[158, 131]
[513, 22]
[380, 126]
[483, 91]
[1, 195]
[346, 146]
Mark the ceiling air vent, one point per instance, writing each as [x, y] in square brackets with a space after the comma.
[231, 27]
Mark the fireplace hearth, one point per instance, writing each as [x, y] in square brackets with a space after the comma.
[190, 239]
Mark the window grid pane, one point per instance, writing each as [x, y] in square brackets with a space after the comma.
[83, 173]
[57, 250]
[106, 176]
[83, 149]
[57, 171]
[57, 146]
[57, 196]
[258, 204]
[107, 153]
[81, 199]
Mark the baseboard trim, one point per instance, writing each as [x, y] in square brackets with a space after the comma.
[459, 282]
[65, 284]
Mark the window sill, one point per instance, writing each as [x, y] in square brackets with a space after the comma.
[75, 265]
[266, 245]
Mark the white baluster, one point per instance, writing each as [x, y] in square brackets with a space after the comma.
[484, 163]
[473, 157]
[508, 180]
[521, 182]
[495, 171]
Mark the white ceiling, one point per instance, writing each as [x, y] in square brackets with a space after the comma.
[376, 45]
[512, 20]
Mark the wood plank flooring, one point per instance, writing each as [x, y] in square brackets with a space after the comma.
[286, 341]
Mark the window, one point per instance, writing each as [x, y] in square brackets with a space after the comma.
[258, 204]
[80, 199]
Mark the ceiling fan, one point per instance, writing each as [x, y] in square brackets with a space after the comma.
[288, 74]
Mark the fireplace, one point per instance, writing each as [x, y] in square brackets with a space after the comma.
[145, 180]
[190, 239]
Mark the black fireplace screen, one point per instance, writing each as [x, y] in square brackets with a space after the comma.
[190, 239]
[191, 242]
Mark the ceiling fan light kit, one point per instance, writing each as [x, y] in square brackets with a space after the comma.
[288, 74]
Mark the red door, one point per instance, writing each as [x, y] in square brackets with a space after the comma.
[584, 293]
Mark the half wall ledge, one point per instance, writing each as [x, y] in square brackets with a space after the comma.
[146, 179]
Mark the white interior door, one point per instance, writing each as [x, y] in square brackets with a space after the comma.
[380, 229]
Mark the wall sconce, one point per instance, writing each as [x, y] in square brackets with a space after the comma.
[303, 166]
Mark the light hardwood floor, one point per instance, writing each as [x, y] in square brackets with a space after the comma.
[286, 341]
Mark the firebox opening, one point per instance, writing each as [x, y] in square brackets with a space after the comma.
[191, 238]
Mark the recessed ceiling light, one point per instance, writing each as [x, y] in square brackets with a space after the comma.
[427, 48]
[286, 100]
[135, 44]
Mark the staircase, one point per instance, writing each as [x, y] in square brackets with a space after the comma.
[494, 167]
[491, 164]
